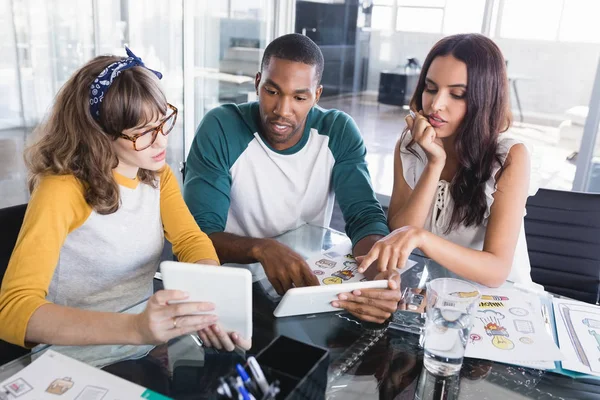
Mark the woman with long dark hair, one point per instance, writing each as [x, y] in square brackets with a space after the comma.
[460, 184]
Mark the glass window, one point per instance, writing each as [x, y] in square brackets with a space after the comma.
[45, 41]
[10, 95]
[463, 16]
[383, 2]
[580, 22]
[422, 3]
[381, 18]
[530, 19]
[247, 9]
[112, 27]
[413, 19]
[155, 34]
[229, 58]
[54, 38]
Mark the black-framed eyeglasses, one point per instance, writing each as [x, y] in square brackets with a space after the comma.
[141, 141]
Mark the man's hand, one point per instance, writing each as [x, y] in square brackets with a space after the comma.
[373, 305]
[284, 267]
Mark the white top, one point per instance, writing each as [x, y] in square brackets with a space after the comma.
[293, 196]
[236, 182]
[472, 236]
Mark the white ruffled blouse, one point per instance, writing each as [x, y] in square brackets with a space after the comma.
[441, 210]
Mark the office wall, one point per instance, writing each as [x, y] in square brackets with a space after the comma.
[560, 74]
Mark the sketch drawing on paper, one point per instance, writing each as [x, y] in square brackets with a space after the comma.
[60, 386]
[483, 297]
[17, 387]
[526, 340]
[332, 254]
[518, 311]
[524, 326]
[581, 333]
[494, 298]
[474, 338]
[463, 295]
[596, 336]
[347, 272]
[493, 328]
[324, 263]
[332, 280]
[591, 323]
[92, 392]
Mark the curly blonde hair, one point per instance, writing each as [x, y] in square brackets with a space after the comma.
[71, 142]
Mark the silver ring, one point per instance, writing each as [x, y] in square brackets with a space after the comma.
[174, 323]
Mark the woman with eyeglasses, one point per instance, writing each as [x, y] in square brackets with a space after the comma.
[102, 201]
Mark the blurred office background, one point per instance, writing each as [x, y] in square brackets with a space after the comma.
[210, 51]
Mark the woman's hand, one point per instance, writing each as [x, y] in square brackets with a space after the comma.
[392, 251]
[207, 261]
[215, 336]
[425, 136]
[162, 320]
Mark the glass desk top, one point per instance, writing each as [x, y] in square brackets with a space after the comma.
[367, 361]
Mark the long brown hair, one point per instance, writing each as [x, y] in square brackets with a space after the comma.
[72, 143]
[488, 115]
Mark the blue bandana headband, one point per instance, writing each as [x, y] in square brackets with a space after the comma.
[101, 84]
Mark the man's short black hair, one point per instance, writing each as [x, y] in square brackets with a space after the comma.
[295, 47]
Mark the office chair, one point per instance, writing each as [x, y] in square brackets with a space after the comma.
[11, 219]
[563, 237]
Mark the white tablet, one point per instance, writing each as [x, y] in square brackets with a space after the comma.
[229, 289]
[317, 299]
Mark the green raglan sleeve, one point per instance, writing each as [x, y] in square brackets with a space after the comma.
[207, 183]
[352, 183]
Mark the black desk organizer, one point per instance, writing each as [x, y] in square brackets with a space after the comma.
[300, 368]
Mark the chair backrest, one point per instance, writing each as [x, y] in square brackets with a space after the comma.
[563, 237]
[11, 219]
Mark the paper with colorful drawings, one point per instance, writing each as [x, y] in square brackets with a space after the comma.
[578, 328]
[508, 327]
[337, 265]
[56, 376]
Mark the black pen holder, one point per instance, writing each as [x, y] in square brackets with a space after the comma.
[300, 368]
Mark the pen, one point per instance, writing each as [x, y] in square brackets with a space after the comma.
[258, 375]
[242, 390]
[242, 372]
[233, 386]
[224, 390]
[245, 378]
[272, 391]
